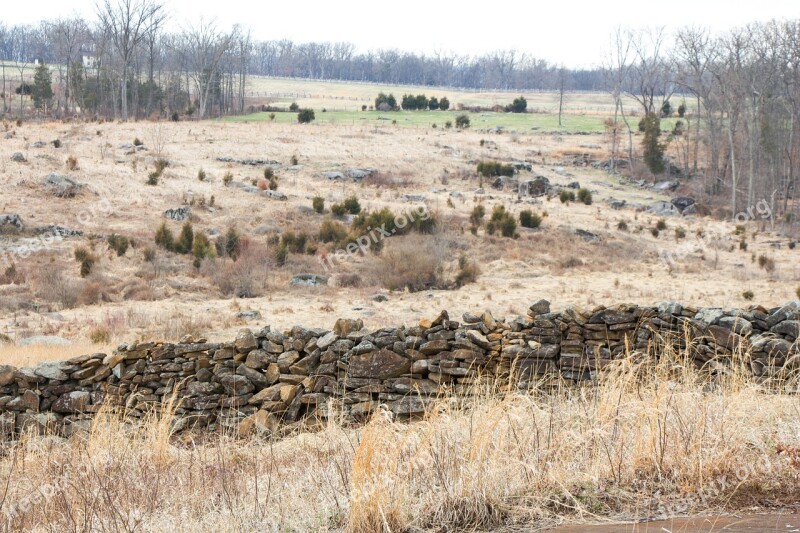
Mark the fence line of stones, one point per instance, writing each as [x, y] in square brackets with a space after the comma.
[267, 378]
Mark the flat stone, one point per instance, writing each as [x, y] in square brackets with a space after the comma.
[258, 360]
[236, 385]
[245, 341]
[71, 402]
[346, 326]
[7, 374]
[326, 340]
[380, 364]
[790, 328]
[539, 307]
[52, 370]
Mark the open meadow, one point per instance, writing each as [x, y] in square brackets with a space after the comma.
[284, 220]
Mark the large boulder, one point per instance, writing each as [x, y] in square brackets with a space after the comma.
[682, 202]
[62, 186]
[358, 174]
[663, 209]
[501, 182]
[538, 186]
[667, 185]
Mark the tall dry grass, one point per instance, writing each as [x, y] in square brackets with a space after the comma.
[644, 439]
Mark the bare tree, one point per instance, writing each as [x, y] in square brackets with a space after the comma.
[617, 68]
[204, 47]
[127, 23]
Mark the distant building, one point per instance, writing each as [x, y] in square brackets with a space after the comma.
[89, 61]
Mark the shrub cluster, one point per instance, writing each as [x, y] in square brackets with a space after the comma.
[153, 177]
[519, 105]
[118, 243]
[529, 219]
[503, 221]
[86, 259]
[350, 205]
[386, 102]
[305, 116]
[188, 242]
[494, 168]
[585, 196]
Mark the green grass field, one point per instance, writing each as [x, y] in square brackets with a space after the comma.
[511, 122]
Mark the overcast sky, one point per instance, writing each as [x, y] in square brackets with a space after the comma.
[571, 32]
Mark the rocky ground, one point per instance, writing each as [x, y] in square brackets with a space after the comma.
[580, 255]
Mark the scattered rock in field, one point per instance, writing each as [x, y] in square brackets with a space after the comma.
[333, 175]
[682, 202]
[667, 185]
[132, 148]
[62, 186]
[12, 221]
[535, 187]
[48, 340]
[501, 182]
[249, 315]
[573, 185]
[358, 174]
[522, 165]
[616, 204]
[412, 198]
[59, 231]
[379, 298]
[662, 209]
[275, 195]
[250, 162]
[312, 280]
[39, 144]
[587, 235]
[178, 214]
[18, 158]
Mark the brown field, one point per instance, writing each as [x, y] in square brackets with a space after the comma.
[127, 297]
[647, 444]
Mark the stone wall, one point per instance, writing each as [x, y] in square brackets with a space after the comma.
[266, 378]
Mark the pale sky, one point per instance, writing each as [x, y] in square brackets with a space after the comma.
[571, 32]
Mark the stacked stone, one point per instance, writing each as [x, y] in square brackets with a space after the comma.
[268, 378]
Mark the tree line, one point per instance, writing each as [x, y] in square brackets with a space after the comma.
[737, 96]
[737, 92]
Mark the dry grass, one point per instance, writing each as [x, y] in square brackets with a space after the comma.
[26, 356]
[415, 161]
[643, 438]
